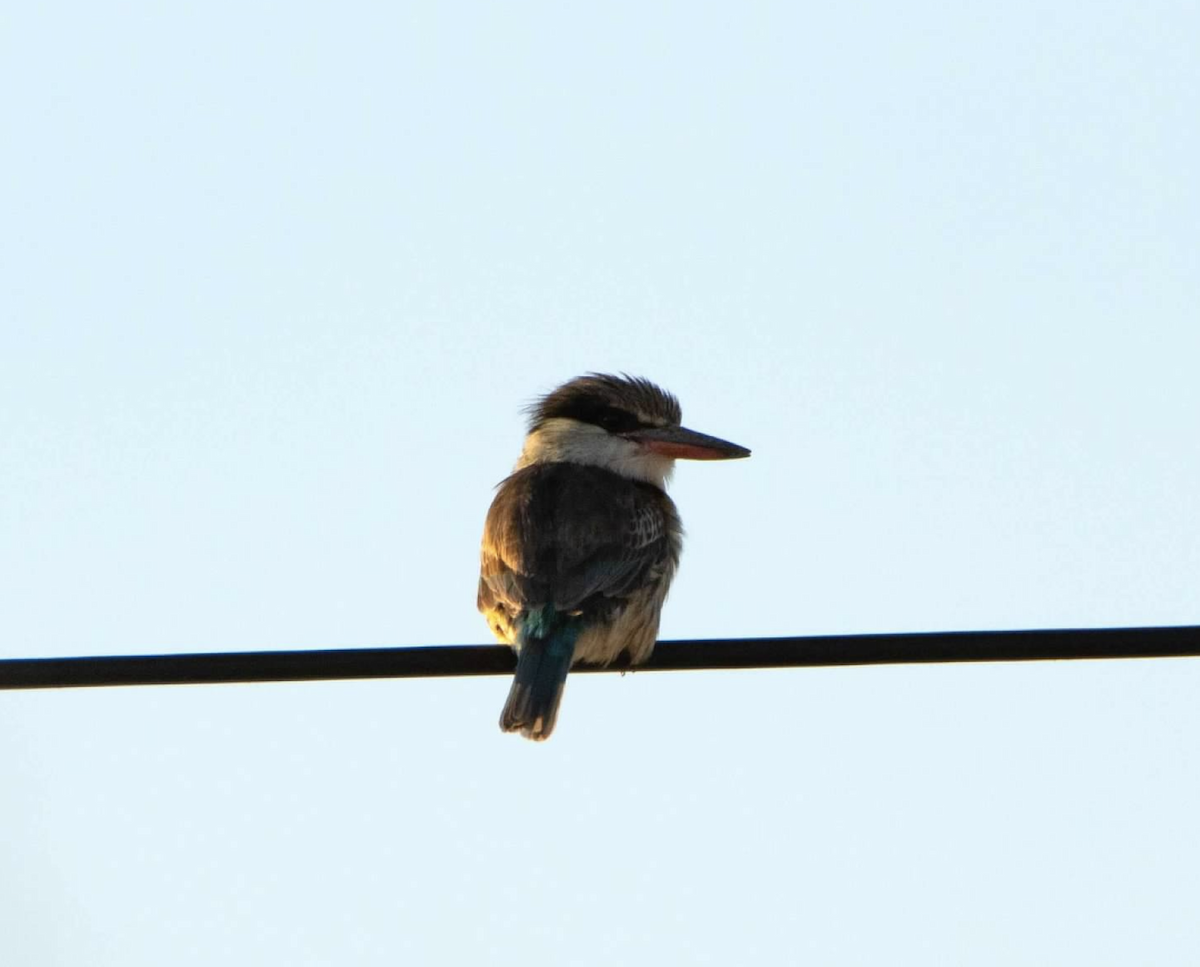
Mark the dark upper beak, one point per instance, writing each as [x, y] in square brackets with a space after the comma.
[683, 444]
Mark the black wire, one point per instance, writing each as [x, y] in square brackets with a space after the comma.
[717, 653]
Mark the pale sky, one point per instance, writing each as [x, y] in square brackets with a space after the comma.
[276, 281]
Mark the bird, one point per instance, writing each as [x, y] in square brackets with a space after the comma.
[581, 541]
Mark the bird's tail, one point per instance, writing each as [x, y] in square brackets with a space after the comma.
[547, 647]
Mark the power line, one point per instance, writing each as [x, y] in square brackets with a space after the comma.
[694, 655]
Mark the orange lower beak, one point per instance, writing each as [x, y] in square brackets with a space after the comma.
[683, 444]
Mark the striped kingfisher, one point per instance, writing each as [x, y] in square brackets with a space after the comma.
[581, 541]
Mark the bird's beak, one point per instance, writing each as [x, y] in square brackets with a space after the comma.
[683, 444]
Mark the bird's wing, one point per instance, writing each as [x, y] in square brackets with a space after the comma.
[574, 537]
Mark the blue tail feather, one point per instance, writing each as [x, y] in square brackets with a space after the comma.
[547, 647]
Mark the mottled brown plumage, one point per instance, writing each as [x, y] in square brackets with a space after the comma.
[581, 541]
[585, 541]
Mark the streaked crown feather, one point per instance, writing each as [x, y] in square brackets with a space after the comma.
[616, 403]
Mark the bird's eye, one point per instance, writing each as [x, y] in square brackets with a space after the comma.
[617, 421]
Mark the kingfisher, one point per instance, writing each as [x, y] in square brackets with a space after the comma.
[581, 541]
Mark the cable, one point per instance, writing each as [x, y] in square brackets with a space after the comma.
[694, 655]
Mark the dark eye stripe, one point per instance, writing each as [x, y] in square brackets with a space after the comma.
[617, 421]
[612, 402]
[612, 418]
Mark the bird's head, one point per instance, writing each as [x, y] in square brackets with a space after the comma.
[622, 423]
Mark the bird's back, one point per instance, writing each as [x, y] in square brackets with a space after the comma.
[586, 542]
